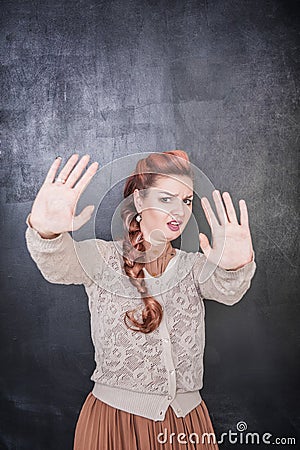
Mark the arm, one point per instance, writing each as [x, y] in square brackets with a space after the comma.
[63, 260]
[224, 286]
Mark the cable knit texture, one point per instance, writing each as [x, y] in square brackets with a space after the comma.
[131, 360]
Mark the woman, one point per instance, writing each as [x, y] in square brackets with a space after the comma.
[148, 330]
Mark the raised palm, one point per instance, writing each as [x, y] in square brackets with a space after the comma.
[54, 206]
[231, 242]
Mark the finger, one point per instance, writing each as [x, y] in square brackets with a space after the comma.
[77, 171]
[204, 244]
[244, 214]
[86, 178]
[52, 171]
[68, 167]
[220, 207]
[209, 214]
[231, 214]
[83, 217]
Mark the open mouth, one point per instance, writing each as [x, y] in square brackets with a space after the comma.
[174, 225]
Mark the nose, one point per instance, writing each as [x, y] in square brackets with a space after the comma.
[179, 210]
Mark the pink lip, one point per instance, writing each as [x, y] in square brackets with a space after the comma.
[178, 221]
[174, 227]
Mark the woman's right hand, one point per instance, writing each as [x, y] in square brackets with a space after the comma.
[53, 209]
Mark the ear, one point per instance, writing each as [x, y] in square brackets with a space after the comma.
[137, 200]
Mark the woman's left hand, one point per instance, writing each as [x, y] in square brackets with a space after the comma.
[232, 244]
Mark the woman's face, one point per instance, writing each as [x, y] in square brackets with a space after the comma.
[166, 209]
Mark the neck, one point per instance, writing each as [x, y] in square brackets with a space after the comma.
[155, 251]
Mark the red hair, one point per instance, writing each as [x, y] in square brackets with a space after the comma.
[145, 175]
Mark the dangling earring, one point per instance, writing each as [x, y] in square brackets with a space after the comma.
[138, 217]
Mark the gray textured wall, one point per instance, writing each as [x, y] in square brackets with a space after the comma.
[219, 79]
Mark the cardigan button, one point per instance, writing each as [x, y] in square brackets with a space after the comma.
[169, 397]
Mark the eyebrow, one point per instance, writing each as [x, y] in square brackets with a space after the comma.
[174, 195]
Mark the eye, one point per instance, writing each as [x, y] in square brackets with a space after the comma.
[164, 200]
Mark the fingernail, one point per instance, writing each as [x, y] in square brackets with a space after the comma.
[58, 157]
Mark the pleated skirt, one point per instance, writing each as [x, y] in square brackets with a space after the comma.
[103, 427]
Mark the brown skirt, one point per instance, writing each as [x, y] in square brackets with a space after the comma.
[103, 427]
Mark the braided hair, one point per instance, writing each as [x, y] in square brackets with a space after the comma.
[145, 175]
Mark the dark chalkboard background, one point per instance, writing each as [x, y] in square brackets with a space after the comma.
[219, 79]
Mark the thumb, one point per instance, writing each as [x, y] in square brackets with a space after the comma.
[204, 244]
[83, 217]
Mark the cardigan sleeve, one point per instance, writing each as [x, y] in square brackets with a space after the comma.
[63, 260]
[224, 286]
